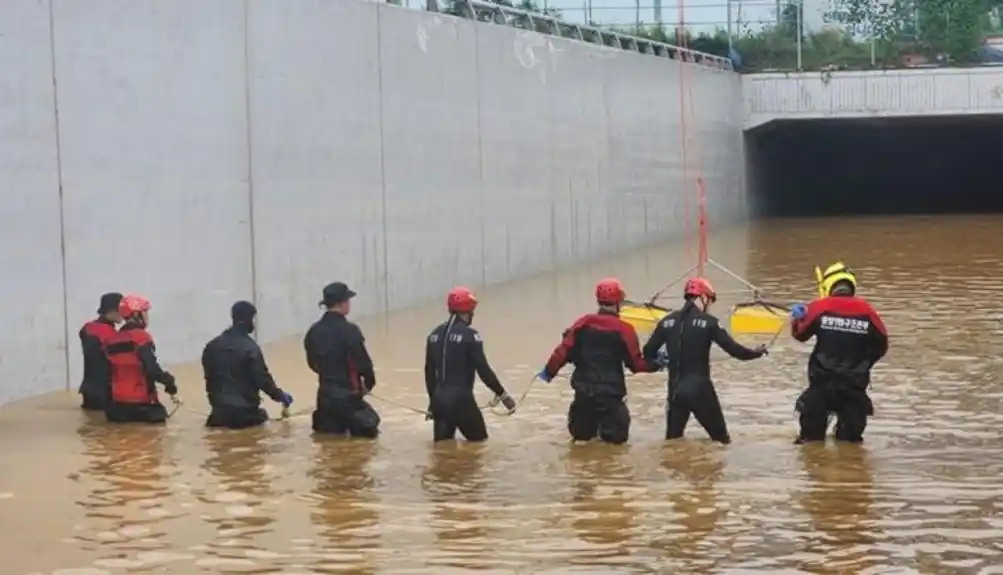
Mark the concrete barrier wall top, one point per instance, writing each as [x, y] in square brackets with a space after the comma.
[923, 92]
[259, 149]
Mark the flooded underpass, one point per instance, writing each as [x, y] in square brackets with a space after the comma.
[923, 494]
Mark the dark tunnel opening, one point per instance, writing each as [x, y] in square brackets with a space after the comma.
[914, 165]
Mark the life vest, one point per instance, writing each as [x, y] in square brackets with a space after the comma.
[94, 335]
[129, 383]
[99, 329]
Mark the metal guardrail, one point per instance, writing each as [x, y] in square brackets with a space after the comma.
[501, 14]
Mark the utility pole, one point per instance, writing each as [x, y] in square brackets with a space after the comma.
[873, 35]
[731, 45]
[799, 23]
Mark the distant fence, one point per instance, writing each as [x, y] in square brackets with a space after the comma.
[501, 14]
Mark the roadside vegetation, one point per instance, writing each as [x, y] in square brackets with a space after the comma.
[861, 34]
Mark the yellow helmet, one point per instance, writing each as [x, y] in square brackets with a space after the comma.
[834, 274]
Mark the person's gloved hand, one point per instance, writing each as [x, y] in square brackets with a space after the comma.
[286, 400]
[761, 350]
[799, 311]
[508, 402]
[662, 359]
[169, 386]
[542, 376]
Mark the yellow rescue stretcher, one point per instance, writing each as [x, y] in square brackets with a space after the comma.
[763, 317]
[758, 317]
[644, 316]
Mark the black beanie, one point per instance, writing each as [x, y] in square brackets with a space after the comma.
[243, 312]
[109, 303]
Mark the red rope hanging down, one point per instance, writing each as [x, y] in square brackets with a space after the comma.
[686, 104]
[702, 208]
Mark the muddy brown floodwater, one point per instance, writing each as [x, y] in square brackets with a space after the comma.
[923, 495]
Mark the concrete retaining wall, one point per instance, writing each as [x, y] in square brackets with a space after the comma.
[201, 152]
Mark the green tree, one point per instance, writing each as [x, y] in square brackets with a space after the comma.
[953, 28]
[936, 28]
[950, 29]
[883, 20]
[789, 22]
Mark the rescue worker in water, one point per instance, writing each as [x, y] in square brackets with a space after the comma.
[236, 374]
[336, 352]
[687, 335]
[95, 389]
[849, 339]
[135, 369]
[454, 354]
[599, 345]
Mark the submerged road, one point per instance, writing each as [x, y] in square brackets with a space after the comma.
[923, 494]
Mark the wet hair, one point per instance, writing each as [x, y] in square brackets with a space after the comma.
[689, 307]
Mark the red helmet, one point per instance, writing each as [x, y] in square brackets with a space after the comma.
[133, 304]
[609, 291]
[699, 287]
[461, 300]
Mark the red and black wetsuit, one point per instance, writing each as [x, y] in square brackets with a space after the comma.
[599, 345]
[849, 339]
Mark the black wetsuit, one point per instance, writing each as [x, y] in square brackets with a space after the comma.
[849, 339]
[95, 388]
[454, 354]
[336, 352]
[599, 345]
[687, 335]
[235, 377]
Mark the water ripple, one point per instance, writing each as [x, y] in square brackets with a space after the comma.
[924, 494]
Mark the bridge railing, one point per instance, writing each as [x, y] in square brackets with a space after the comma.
[490, 12]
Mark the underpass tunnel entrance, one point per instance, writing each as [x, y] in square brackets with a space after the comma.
[909, 165]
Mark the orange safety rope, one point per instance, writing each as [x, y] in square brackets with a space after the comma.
[686, 104]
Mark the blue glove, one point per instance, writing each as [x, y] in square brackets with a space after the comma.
[799, 311]
[287, 399]
[542, 376]
[662, 359]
